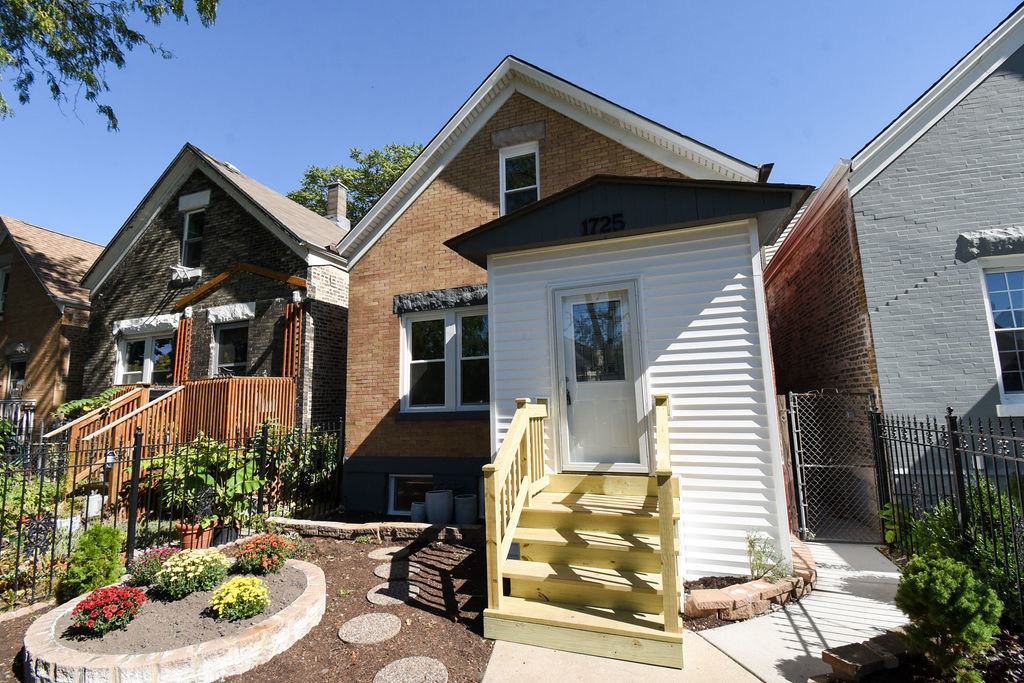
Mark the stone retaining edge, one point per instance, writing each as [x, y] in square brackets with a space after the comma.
[382, 531]
[46, 660]
[746, 600]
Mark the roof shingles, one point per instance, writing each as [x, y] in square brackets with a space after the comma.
[59, 261]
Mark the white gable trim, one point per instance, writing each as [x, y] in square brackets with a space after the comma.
[937, 101]
[635, 132]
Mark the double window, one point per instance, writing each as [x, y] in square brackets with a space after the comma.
[445, 357]
[232, 354]
[192, 239]
[520, 176]
[148, 360]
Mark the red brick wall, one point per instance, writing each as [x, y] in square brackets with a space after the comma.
[411, 257]
[817, 310]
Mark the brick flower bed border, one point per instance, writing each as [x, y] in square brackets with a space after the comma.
[472, 534]
[746, 600]
[46, 659]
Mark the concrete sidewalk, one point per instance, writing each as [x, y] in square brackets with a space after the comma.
[525, 663]
[852, 601]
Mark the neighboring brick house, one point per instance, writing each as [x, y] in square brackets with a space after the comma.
[209, 276]
[905, 273]
[44, 314]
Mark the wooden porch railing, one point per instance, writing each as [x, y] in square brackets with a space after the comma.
[510, 482]
[667, 494]
[125, 402]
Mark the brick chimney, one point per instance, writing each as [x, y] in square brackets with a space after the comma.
[337, 204]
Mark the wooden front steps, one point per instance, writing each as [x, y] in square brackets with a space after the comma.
[589, 574]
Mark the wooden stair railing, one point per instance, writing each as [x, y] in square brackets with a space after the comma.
[510, 482]
[120, 405]
[666, 517]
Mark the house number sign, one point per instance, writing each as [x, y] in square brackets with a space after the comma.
[599, 224]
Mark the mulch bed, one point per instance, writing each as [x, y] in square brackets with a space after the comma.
[164, 624]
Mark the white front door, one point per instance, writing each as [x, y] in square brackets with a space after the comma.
[600, 426]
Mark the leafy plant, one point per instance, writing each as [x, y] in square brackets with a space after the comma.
[894, 516]
[303, 464]
[240, 598]
[954, 616]
[107, 609]
[262, 554]
[7, 433]
[80, 406]
[25, 495]
[95, 562]
[766, 562]
[145, 567]
[192, 570]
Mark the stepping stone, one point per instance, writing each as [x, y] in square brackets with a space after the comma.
[389, 553]
[370, 628]
[396, 569]
[413, 670]
[392, 593]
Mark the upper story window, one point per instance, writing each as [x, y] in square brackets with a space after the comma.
[147, 360]
[232, 353]
[520, 176]
[16, 371]
[192, 239]
[445, 361]
[5, 281]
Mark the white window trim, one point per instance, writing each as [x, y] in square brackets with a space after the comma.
[452, 359]
[5, 283]
[147, 358]
[516, 151]
[189, 271]
[1010, 404]
[391, 491]
[9, 389]
[216, 345]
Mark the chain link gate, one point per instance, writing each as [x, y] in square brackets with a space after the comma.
[834, 466]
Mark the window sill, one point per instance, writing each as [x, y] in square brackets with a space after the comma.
[1010, 410]
[182, 273]
[443, 415]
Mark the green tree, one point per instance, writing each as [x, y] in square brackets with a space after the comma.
[372, 175]
[70, 43]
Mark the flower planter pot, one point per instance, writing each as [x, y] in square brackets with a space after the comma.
[224, 534]
[194, 536]
[418, 512]
[465, 509]
[439, 506]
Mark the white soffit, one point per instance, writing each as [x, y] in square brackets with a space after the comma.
[946, 93]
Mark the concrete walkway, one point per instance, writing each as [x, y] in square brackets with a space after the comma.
[852, 601]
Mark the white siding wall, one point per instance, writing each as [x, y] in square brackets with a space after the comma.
[701, 344]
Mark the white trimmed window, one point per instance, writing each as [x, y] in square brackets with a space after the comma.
[17, 369]
[406, 489]
[5, 281]
[148, 360]
[232, 353]
[192, 239]
[520, 176]
[445, 361]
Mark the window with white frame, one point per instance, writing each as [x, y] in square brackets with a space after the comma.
[17, 369]
[232, 353]
[445, 361]
[5, 281]
[148, 360]
[192, 239]
[520, 176]
[406, 489]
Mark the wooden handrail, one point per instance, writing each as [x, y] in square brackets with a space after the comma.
[152, 405]
[666, 516]
[94, 414]
[510, 482]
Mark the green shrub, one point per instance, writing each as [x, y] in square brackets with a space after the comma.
[95, 562]
[766, 562]
[192, 570]
[895, 519]
[954, 617]
[25, 496]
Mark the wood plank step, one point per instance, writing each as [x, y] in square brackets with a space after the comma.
[595, 503]
[618, 622]
[598, 540]
[591, 511]
[595, 578]
[608, 484]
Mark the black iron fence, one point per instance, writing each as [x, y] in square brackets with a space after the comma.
[159, 492]
[968, 471]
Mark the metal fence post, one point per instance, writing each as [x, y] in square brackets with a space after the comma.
[798, 478]
[263, 468]
[881, 462]
[963, 512]
[133, 496]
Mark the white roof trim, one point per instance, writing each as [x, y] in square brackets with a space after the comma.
[946, 93]
[512, 75]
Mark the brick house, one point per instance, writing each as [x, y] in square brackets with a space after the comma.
[904, 273]
[215, 274]
[44, 314]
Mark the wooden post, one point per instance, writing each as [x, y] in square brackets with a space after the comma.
[492, 519]
[666, 518]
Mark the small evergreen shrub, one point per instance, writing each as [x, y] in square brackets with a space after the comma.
[192, 570]
[263, 554]
[95, 562]
[954, 617]
[107, 609]
[240, 598]
[144, 568]
[766, 562]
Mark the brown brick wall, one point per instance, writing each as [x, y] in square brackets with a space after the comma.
[817, 311]
[411, 257]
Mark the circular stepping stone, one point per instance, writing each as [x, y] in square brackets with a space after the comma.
[413, 670]
[396, 569]
[370, 628]
[392, 593]
[389, 553]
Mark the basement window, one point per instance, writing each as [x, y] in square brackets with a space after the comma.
[406, 489]
[520, 176]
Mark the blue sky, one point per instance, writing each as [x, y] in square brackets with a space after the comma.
[275, 86]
